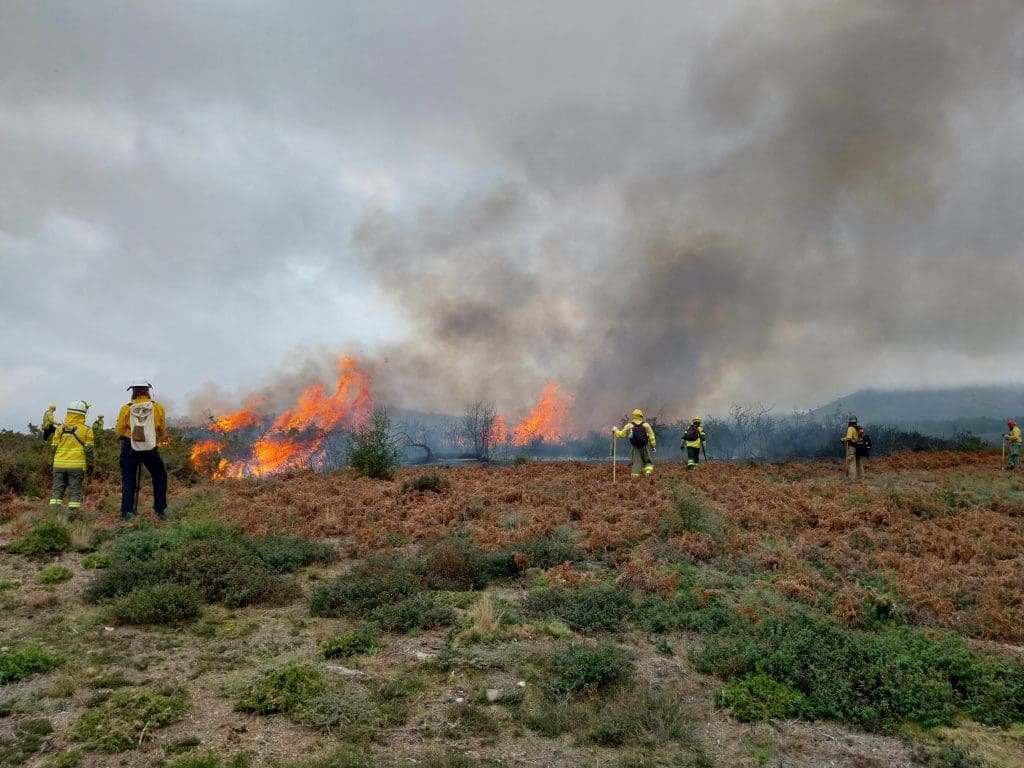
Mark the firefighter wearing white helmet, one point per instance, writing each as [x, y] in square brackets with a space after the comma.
[643, 441]
[72, 453]
[140, 424]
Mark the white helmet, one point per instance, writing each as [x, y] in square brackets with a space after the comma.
[140, 383]
[78, 406]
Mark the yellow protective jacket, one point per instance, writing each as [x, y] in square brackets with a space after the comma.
[852, 435]
[701, 439]
[122, 428]
[627, 430]
[72, 443]
[1014, 435]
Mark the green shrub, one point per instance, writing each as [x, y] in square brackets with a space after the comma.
[281, 690]
[29, 736]
[458, 563]
[284, 554]
[20, 661]
[347, 713]
[55, 574]
[421, 483]
[644, 717]
[372, 451]
[602, 607]
[161, 603]
[875, 680]
[71, 758]
[46, 536]
[551, 550]
[421, 611]
[759, 697]
[355, 642]
[119, 723]
[581, 668]
[358, 593]
[949, 755]
[96, 560]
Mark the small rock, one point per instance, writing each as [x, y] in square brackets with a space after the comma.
[493, 695]
[345, 671]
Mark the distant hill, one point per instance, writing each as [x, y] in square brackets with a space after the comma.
[981, 410]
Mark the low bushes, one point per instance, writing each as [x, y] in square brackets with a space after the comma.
[20, 661]
[581, 668]
[160, 575]
[807, 665]
[121, 722]
[47, 536]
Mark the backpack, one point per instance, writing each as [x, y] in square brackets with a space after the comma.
[48, 431]
[863, 446]
[692, 433]
[142, 425]
[638, 436]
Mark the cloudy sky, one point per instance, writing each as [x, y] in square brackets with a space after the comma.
[676, 205]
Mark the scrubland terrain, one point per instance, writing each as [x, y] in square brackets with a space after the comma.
[525, 615]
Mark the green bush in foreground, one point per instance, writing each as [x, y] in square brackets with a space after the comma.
[281, 690]
[581, 668]
[208, 760]
[371, 450]
[877, 680]
[46, 536]
[119, 723]
[29, 736]
[355, 642]
[160, 603]
[19, 662]
[586, 609]
[759, 697]
[55, 574]
[359, 593]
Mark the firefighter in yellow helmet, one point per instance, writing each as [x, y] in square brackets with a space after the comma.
[694, 440]
[140, 423]
[643, 442]
[72, 452]
[1013, 437]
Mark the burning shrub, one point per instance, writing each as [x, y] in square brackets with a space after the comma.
[372, 450]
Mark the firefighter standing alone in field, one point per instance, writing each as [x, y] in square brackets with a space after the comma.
[643, 442]
[854, 462]
[140, 424]
[73, 453]
[1013, 438]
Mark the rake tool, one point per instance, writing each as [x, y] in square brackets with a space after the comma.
[615, 463]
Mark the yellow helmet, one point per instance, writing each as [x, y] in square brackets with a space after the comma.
[638, 414]
[696, 420]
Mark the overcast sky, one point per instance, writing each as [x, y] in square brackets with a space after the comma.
[671, 205]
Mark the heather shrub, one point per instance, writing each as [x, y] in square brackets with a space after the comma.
[24, 464]
[29, 735]
[422, 483]
[355, 642]
[758, 697]
[55, 574]
[208, 760]
[643, 717]
[21, 661]
[358, 593]
[120, 723]
[551, 550]
[96, 560]
[458, 563]
[585, 609]
[876, 680]
[581, 668]
[220, 564]
[420, 611]
[46, 536]
[281, 690]
[162, 603]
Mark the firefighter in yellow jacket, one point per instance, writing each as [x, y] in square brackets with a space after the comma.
[134, 456]
[693, 440]
[73, 453]
[1013, 438]
[643, 442]
[854, 462]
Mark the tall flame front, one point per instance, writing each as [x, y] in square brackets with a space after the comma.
[547, 420]
[297, 436]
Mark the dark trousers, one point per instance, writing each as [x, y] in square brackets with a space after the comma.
[130, 461]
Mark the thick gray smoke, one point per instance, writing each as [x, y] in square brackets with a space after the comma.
[806, 200]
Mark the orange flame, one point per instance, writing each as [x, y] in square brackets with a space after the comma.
[297, 436]
[499, 430]
[547, 420]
